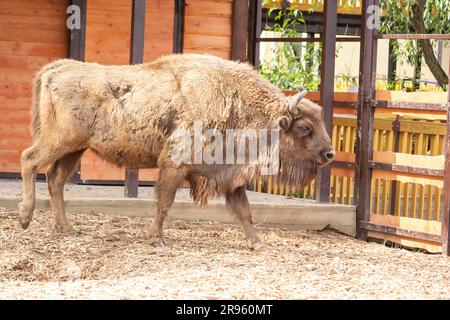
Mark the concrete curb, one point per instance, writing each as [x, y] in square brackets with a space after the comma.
[308, 215]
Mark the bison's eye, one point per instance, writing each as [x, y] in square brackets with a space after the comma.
[302, 131]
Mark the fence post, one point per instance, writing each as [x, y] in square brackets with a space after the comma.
[240, 30]
[327, 88]
[364, 136]
[136, 56]
[77, 48]
[445, 231]
[178, 26]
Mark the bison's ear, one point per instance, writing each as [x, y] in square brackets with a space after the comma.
[285, 123]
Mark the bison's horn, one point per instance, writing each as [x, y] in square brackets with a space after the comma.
[295, 101]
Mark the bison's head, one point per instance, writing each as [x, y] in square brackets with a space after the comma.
[305, 145]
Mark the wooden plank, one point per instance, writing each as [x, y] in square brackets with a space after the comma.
[412, 97]
[407, 178]
[414, 36]
[429, 246]
[342, 172]
[18, 48]
[410, 224]
[221, 9]
[417, 106]
[207, 42]
[30, 35]
[406, 169]
[208, 26]
[414, 235]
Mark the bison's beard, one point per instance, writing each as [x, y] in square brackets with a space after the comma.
[298, 173]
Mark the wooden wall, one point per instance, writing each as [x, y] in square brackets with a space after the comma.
[207, 30]
[108, 33]
[208, 27]
[32, 33]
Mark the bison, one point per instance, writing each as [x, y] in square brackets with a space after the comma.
[127, 115]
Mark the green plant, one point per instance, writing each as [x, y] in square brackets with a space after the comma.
[291, 64]
[417, 16]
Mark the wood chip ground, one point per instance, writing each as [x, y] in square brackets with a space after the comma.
[110, 257]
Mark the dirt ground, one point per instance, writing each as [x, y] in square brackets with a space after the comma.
[111, 258]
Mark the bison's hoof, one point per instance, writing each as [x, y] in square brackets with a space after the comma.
[158, 242]
[24, 215]
[66, 229]
[24, 223]
[257, 246]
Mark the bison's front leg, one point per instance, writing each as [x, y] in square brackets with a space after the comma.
[168, 182]
[238, 203]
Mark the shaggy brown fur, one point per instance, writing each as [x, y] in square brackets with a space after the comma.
[126, 114]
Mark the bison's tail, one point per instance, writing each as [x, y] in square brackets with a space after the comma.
[35, 114]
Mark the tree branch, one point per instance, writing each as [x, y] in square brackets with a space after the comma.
[427, 48]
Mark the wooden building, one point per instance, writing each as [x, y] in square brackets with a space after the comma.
[34, 32]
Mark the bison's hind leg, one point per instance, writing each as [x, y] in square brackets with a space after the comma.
[238, 203]
[33, 159]
[57, 175]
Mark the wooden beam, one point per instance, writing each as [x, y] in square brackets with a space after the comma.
[327, 89]
[414, 36]
[445, 223]
[405, 177]
[77, 49]
[410, 105]
[400, 232]
[136, 57]
[365, 117]
[406, 169]
[240, 30]
[178, 26]
[302, 39]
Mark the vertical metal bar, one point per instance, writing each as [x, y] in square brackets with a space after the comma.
[396, 132]
[137, 32]
[136, 57]
[77, 48]
[327, 88]
[445, 221]
[77, 40]
[392, 63]
[240, 30]
[255, 32]
[178, 26]
[364, 139]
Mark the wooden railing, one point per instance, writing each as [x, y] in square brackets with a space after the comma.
[344, 6]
